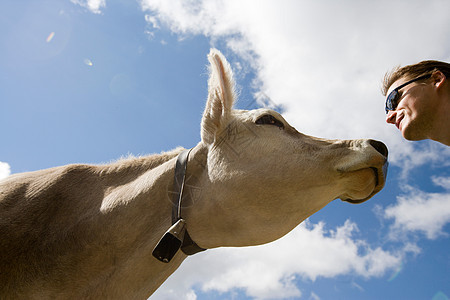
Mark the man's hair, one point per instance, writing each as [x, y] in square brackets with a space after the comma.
[413, 71]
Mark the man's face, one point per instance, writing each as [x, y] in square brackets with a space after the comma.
[414, 113]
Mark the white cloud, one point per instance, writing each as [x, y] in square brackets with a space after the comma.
[314, 297]
[323, 61]
[442, 181]
[269, 271]
[417, 211]
[5, 170]
[416, 154]
[92, 5]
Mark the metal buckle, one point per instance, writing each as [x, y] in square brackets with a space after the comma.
[171, 242]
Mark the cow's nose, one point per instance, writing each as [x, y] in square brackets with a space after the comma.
[380, 147]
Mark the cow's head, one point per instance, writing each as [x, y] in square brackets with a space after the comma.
[260, 177]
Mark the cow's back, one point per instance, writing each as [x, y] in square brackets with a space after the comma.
[39, 215]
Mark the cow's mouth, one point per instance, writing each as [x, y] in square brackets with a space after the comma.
[380, 179]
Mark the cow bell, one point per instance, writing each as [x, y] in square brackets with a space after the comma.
[171, 242]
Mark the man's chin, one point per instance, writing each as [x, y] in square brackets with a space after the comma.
[410, 134]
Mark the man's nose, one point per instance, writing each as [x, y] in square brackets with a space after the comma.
[390, 118]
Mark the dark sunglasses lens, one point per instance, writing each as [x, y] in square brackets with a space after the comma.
[391, 101]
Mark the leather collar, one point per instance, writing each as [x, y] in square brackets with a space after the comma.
[176, 236]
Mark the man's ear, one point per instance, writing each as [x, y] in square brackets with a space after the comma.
[220, 97]
[438, 78]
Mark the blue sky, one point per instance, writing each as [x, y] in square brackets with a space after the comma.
[92, 81]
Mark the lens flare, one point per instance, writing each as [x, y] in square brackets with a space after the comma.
[397, 271]
[50, 37]
[88, 62]
[440, 296]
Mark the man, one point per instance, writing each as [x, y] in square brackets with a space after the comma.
[418, 100]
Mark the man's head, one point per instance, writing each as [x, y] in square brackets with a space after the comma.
[418, 98]
[413, 71]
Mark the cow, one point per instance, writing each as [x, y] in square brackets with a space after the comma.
[115, 231]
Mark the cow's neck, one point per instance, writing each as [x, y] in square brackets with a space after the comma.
[152, 210]
[150, 213]
[112, 250]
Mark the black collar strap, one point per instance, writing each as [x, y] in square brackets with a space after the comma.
[177, 236]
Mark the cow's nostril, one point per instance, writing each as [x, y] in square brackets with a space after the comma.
[380, 147]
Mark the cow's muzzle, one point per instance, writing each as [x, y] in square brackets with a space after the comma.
[380, 173]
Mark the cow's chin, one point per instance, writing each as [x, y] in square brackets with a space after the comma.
[362, 185]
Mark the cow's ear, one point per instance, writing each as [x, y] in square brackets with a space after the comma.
[220, 97]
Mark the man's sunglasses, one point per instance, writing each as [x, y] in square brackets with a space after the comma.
[392, 98]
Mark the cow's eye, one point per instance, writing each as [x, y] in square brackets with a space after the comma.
[269, 120]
